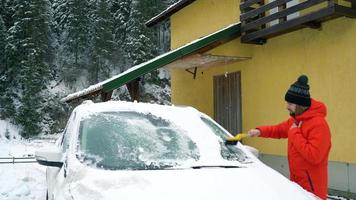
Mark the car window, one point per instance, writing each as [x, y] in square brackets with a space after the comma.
[65, 142]
[65, 136]
[228, 152]
[131, 140]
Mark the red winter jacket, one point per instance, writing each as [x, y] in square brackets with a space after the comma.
[308, 147]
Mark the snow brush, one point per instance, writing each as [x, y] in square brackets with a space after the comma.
[235, 139]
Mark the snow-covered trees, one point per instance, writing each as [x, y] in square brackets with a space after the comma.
[6, 104]
[73, 21]
[102, 42]
[2, 44]
[27, 69]
[70, 44]
[120, 10]
[142, 43]
[138, 43]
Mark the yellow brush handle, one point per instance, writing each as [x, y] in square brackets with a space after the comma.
[237, 137]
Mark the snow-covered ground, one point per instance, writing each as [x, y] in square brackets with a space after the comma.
[23, 181]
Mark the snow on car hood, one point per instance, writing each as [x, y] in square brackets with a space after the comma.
[256, 182]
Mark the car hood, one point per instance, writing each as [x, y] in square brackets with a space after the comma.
[256, 182]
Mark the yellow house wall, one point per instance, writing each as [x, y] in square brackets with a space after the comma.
[196, 20]
[326, 56]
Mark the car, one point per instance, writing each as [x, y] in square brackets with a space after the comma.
[128, 150]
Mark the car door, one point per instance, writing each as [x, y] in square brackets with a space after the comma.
[56, 176]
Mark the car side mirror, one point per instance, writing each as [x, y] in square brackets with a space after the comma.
[51, 157]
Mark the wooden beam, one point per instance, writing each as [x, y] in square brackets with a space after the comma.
[277, 15]
[345, 11]
[134, 89]
[249, 3]
[262, 9]
[106, 96]
[259, 41]
[313, 24]
[281, 8]
[288, 25]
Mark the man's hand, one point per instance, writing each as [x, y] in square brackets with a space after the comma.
[253, 133]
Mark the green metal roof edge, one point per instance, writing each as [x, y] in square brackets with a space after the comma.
[223, 35]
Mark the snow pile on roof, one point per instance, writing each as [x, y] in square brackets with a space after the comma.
[90, 89]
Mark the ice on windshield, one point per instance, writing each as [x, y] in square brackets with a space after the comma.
[132, 140]
[228, 152]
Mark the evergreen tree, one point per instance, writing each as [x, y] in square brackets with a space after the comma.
[74, 37]
[55, 114]
[2, 45]
[121, 10]
[28, 70]
[2, 8]
[82, 33]
[9, 82]
[139, 46]
[77, 27]
[143, 43]
[6, 104]
[7, 10]
[60, 11]
[102, 42]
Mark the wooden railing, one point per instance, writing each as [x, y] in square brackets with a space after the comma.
[259, 23]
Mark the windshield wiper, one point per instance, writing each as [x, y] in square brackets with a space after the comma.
[216, 166]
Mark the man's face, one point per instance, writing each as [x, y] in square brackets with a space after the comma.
[291, 107]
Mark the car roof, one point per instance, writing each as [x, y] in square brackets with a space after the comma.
[91, 107]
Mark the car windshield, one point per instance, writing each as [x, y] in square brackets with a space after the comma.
[132, 140]
[228, 152]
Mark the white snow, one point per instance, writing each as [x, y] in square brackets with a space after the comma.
[20, 181]
[6, 126]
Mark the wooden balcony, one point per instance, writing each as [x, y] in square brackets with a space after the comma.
[260, 21]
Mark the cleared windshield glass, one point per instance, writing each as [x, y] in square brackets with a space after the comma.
[228, 152]
[131, 140]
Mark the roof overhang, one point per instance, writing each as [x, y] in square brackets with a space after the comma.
[187, 56]
[203, 61]
[168, 12]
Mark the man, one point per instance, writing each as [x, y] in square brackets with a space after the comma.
[309, 139]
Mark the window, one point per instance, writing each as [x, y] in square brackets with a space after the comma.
[131, 140]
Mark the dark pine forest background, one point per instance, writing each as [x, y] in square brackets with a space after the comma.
[50, 48]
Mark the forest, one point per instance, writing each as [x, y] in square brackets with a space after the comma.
[51, 48]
